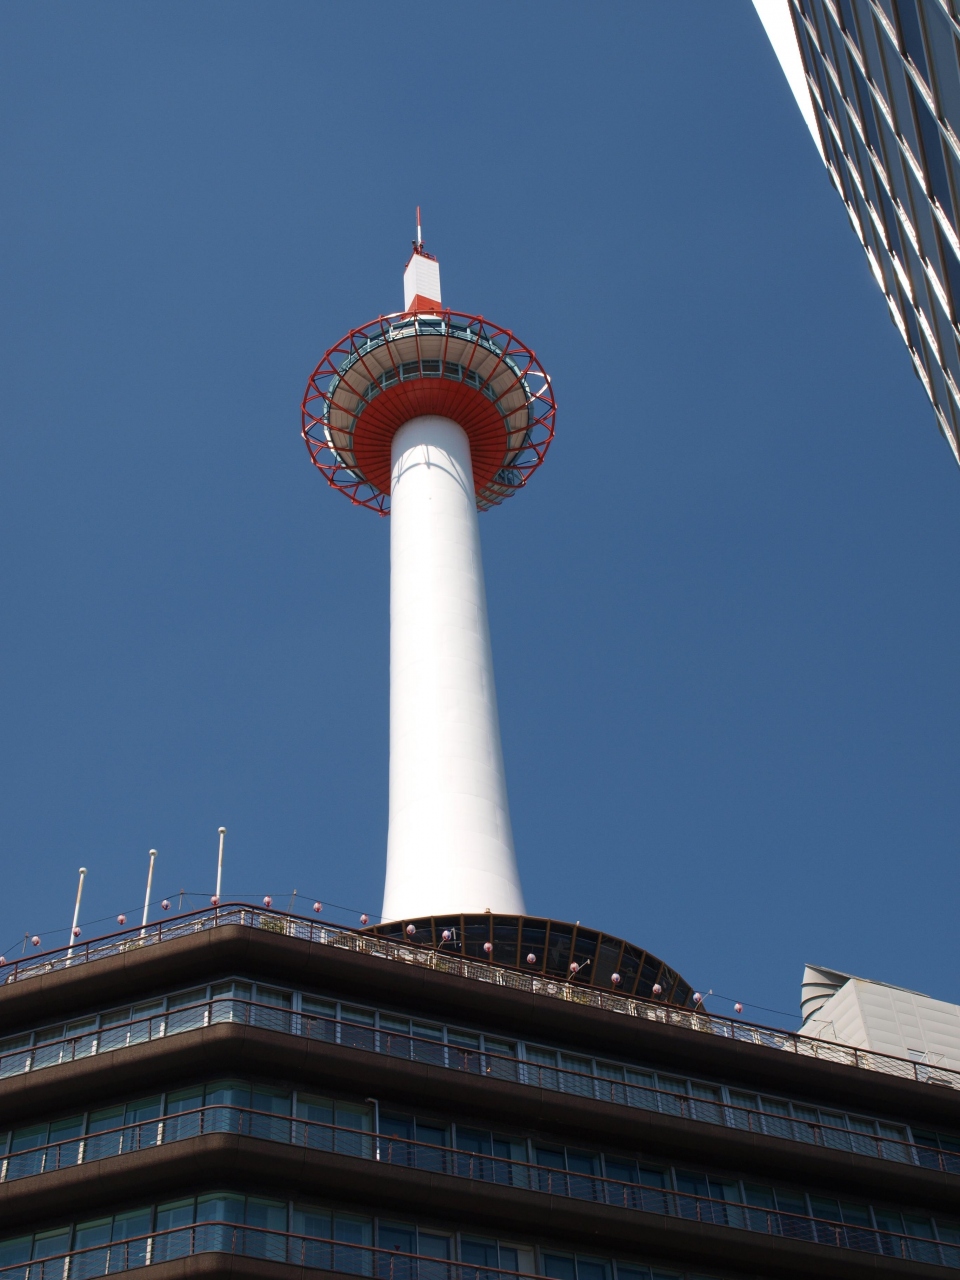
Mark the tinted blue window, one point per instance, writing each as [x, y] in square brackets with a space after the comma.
[911, 36]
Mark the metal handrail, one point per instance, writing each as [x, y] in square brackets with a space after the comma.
[487, 1065]
[538, 1178]
[320, 1253]
[345, 938]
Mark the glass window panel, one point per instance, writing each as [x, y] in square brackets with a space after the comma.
[175, 1213]
[431, 1245]
[558, 1266]
[389, 1022]
[46, 1035]
[273, 996]
[34, 1135]
[220, 1207]
[142, 1109]
[89, 1234]
[309, 1220]
[463, 1039]
[352, 1230]
[184, 998]
[620, 1170]
[108, 1118]
[479, 1252]
[274, 1101]
[592, 1268]
[912, 37]
[943, 54]
[47, 1244]
[558, 950]
[825, 1207]
[269, 1215]
[71, 1127]
[229, 1093]
[312, 1004]
[15, 1250]
[184, 1100]
[126, 1226]
[114, 1016]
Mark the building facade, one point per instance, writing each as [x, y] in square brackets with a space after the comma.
[879, 83]
[247, 1093]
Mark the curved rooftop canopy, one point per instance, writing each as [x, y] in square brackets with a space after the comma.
[556, 947]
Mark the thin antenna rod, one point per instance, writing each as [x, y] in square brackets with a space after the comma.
[223, 832]
[146, 900]
[419, 232]
[76, 911]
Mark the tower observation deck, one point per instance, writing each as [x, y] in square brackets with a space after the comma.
[432, 415]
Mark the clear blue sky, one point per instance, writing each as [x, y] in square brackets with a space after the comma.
[725, 613]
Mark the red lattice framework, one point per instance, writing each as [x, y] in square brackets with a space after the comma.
[449, 363]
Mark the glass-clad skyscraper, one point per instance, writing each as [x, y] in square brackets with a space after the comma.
[882, 78]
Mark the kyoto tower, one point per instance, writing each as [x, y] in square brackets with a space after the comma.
[431, 415]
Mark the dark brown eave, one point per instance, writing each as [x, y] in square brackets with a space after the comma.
[238, 949]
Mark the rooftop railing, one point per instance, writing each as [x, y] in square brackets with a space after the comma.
[344, 938]
[592, 1187]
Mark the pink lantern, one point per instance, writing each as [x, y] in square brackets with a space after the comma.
[411, 930]
[738, 1007]
[35, 940]
[214, 901]
[318, 907]
[268, 901]
[488, 948]
[165, 905]
[531, 958]
[574, 968]
[76, 932]
[121, 919]
[615, 979]
[697, 998]
[657, 988]
[3, 960]
[446, 935]
[364, 919]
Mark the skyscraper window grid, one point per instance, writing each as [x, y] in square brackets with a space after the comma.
[884, 77]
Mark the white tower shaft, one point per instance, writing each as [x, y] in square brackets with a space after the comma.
[450, 845]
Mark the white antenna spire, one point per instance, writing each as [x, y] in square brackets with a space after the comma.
[419, 232]
[76, 911]
[223, 832]
[146, 900]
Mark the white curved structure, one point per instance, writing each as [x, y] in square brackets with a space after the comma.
[450, 845]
